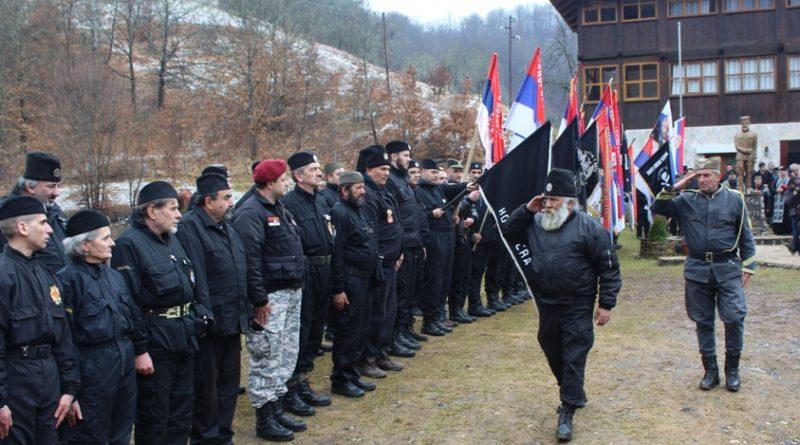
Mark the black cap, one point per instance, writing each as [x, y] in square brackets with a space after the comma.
[428, 164]
[216, 168]
[455, 164]
[560, 182]
[397, 147]
[211, 183]
[376, 159]
[413, 164]
[19, 205]
[301, 159]
[364, 153]
[85, 221]
[476, 166]
[155, 191]
[41, 166]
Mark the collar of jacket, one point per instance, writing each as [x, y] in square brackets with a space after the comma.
[425, 183]
[369, 182]
[263, 201]
[93, 269]
[137, 222]
[205, 218]
[399, 172]
[17, 255]
[305, 194]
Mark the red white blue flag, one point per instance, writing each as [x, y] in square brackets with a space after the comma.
[527, 111]
[572, 111]
[490, 117]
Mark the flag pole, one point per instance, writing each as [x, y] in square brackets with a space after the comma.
[680, 71]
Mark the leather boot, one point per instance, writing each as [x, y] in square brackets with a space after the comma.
[564, 429]
[496, 306]
[431, 328]
[401, 339]
[367, 368]
[443, 327]
[268, 428]
[458, 316]
[398, 350]
[366, 386]
[295, 404]
[347, 389]
[295, 425]
[732, 382]
[385, 363]
[412, 334]
[711, 377]
[479, 311]
[310, 396]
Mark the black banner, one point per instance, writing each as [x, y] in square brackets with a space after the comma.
[657, 171]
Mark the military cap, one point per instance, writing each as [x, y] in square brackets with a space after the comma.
[41, 166]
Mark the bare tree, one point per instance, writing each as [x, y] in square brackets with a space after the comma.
[131, 14]
[170, 33]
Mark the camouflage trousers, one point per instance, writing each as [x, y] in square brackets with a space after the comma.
[273, 351]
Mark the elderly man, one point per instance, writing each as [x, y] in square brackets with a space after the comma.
[721, 260]
[562, 238]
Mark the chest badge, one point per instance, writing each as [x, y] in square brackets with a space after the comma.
[389, 217]
[55, 294]
[273, 221]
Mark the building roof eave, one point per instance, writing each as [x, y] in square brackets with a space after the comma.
[569, 11]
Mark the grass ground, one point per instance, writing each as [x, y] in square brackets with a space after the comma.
[488, 382]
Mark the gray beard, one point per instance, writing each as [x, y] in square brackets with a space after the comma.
[553, 221]
[173, 230]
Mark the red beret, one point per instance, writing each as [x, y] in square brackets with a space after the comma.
[269, 170]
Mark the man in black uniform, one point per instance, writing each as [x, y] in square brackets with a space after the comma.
[42, 180]
[487, 249]
[561, 237]
[316, 232]
[465, 217]
[355, 261]
[220, 268]
[38, 361]
[439, 261]
[413, 222]
[330, 192]
[418, 272]
[160, 278]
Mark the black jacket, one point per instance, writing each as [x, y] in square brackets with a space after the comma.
[220, 268]
[272, 245]
[330, 195]
[435, 196]
[382, 211]
[100, 303]
[489, 232]
[356, 243]
[159, 276]
[569, 265]
[32, 313]
[313, 221]
[407, 207]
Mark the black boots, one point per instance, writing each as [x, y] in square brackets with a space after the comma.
[564, 429]
[385, 363]
[310, 396]
[295, 404]
[295, 425]
[410, 333]
[459, 316]
[479, 311]
[711, 377]
[347, 389]
[732, 382]
[268, 427]
[398, 349]
[431, 328]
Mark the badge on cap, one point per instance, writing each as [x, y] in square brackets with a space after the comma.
[57, 173]
[549, 187]
[315, 159]
[55, 294]
[385, 156]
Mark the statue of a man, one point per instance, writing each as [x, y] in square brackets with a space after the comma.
[746, 142]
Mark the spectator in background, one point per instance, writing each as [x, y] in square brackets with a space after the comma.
[792, 197]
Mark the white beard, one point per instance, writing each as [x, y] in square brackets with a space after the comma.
[553, 221]
[173, 230]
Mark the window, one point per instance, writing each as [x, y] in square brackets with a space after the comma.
[633, 10]
[698, 78]
[752, 74]
[599, 11]
[792, 3]
[747, 5]
[681, 8]
[594, 79]
[641, 81]
[794, 72]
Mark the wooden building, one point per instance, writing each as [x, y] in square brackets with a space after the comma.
[740, 57]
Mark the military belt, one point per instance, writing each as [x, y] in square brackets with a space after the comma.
[358, 273]
[30, 351]
[715, 257]
[319, 260]
[170, 312]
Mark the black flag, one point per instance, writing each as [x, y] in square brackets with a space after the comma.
[657, 172]
[565, 148]
[517, 178]
[588, 161]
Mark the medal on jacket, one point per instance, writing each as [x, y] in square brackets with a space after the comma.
[389, 218]
[329, 223]
[55, 294]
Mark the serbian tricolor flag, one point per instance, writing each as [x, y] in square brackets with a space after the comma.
[608, 120]
[660, 135]
[527, 111]
[572, 111]
[490, 117]
[677, 147]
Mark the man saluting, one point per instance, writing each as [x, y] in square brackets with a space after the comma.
[562, 238]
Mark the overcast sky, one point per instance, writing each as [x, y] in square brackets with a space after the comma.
[438, 11]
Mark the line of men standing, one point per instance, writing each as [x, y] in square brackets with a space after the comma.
[147, 328]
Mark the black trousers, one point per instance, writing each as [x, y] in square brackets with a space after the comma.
[459, 286]
[438, 272]
[409, 284]
[352, 327]
[216, 388]
[384, 310]
[484, 254]
[566, 336]
[166, 397]
[313, 313]
[32, 387]
[107, 396]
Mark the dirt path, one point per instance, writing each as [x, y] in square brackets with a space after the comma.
[489, 382]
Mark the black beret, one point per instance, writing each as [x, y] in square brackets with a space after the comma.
[19, 205]
[42, 167]
[218, 169]
[397, 147]
[211, 183]
[155, 191]
[301, 159]
[376, 159]
[428, 164]
[475, 166]
[560, 182]
[413, 164]
[364, 153]
[85, 221]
